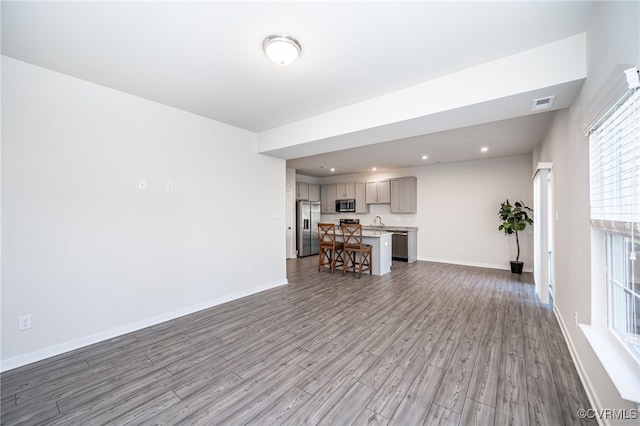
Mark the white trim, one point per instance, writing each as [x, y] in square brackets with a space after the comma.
[610, 92]
[619, 364]
[582, 371]
[542, 166]
[609, 350]
[466, 263]
[50, 351]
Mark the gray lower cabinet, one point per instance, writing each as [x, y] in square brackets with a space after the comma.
[404, 195]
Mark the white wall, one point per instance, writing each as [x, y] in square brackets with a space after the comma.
[425, 107]
[90, 256]
[460, 202]
[613, 38]
[458, 207]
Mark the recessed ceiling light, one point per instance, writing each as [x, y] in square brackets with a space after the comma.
[282, 49]
[333, 170]
[374, 168]
[424, 157]
[484, 149]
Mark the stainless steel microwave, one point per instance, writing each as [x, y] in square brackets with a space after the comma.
[346, 206]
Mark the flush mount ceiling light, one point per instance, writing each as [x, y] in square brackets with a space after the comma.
[282, 49]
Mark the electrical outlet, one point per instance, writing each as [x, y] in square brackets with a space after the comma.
[169, 185]
[24, 322]
[575, 318]
[142, 184]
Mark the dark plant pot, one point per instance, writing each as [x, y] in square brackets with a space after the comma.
[516, 267]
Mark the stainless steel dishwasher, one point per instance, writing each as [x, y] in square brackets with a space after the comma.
[400, 245]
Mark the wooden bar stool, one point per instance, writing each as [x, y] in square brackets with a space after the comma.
[331, 251]
[352, 240]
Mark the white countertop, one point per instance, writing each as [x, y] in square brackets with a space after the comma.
[375, 234]
[390, 228]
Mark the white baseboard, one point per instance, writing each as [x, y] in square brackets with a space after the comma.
[478, 264]
[582, 372]
[61, 348]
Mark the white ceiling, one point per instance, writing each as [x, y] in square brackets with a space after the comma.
[461, 144]
[206, 58]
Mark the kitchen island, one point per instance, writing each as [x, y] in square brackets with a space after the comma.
[404, 241]
[380, 242]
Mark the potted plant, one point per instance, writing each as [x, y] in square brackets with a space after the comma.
[514, 218]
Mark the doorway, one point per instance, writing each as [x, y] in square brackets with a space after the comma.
[550, 235]
[543, 234]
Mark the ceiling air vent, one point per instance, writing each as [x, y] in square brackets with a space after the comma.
[542, 103]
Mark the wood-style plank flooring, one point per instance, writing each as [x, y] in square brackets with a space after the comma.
[430, 343]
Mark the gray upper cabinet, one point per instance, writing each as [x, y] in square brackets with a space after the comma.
[328, 198]
[404, 195]
[302, 191]
[314, 192]
[307, 191]
[361, 204]
[331, 192]
[384, 192]
[378, 192]
[345, 190]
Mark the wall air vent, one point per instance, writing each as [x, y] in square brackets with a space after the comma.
[542, 103]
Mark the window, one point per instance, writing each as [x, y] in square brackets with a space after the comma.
[623, 281]
[614, 147]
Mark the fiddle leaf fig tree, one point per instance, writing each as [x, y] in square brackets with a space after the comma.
[514, 218]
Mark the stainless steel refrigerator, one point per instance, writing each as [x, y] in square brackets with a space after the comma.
[307, 218]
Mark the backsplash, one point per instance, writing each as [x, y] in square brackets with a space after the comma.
[382, 210]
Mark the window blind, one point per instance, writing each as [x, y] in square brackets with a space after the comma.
[612, 90]
[615, 168]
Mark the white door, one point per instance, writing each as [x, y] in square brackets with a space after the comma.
[550, 233]
[543, 231]
[290, 232]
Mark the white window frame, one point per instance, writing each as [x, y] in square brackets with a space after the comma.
[613, 284]
[616, 357]
[619, 359]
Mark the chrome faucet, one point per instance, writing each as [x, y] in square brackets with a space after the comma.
[380, 224]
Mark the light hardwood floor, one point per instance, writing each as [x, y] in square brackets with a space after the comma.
[429, 343]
